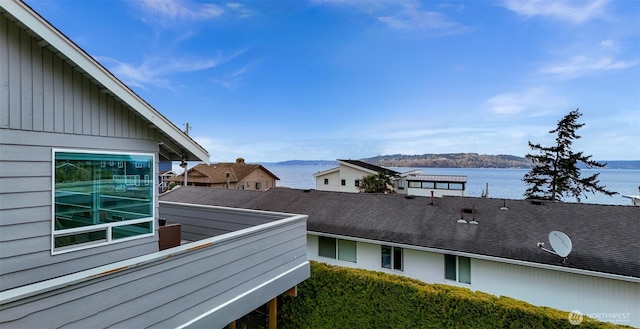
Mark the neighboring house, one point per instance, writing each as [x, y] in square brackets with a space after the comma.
[432, 185]
[164, 179]
[238, 175]
[347, 176]
[79, 237]
[494, 248]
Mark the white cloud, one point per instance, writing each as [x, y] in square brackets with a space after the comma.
[583, 65]
[404, 15]
[180, 10]
[535, 101]
[568, 10]
[152, 71]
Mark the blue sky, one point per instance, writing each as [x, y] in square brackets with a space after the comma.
[280, 80]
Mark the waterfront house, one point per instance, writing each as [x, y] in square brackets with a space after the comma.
[236, 175]
[80, 244]
[347, 176]
[484, 244]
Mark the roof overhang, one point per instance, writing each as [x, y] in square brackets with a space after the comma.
[174, 143]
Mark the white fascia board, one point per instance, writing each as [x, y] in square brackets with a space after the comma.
[326, 172]
[79, 57]
[484, 257]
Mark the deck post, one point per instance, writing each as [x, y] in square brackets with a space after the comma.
[273, 313]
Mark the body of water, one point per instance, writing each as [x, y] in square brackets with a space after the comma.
[503, 183]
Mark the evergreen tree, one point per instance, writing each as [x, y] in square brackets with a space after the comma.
[555, 174]
[376, 183]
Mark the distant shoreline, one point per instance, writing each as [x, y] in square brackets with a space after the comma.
[466, 160]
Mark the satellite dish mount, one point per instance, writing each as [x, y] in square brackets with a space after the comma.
[560, 243]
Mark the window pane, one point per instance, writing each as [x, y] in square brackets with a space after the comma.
[397, 258]
[72, 239]
[464, 268]
[455, 186]
[386, 256]
[327, 247]
[428, 184]
[442, 186]
[347, 250]
[125, 231]
[93, 189]
[415, 184]
[450, 267]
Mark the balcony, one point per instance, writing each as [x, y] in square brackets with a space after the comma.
[231, 262]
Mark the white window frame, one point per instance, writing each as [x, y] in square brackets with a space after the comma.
[107, 227]
[336, 246]
[392, 258]
[457, 269]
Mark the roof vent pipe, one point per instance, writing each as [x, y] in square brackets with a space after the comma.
[462, 220]
[473, 215]
[227, 179]
[504, 205]
[432, 201]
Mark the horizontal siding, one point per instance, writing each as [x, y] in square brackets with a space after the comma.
[173, 290]
[196, 222]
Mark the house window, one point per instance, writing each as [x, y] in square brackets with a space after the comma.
[400, 184]
[258, 185]
[95, 204]
[343, 182]
[392, 257]
[356, 183]
[326, 181]
[428, 184]
[456, 186]
[457, 268]
[442, 186]
[415, 185]
[331, 247]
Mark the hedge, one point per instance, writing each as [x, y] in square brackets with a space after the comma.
[337, 297]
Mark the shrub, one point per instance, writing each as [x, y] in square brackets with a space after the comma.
[336, 297]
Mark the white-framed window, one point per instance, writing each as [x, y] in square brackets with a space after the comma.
[392, 257]
[326, 181]
[340, 249]
[415, 184]
[96, 205]
[457, 268]
[400, 184]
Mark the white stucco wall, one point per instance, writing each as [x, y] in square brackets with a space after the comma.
[600, 297]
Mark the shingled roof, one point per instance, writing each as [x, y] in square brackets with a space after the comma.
[217, 173]
[605, 237]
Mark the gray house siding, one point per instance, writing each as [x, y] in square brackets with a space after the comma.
[205, 284]
[46, 103]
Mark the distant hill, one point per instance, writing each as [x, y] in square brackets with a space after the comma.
[303, 163]
[450, 160]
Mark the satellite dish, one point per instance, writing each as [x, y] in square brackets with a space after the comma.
[560, 243]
